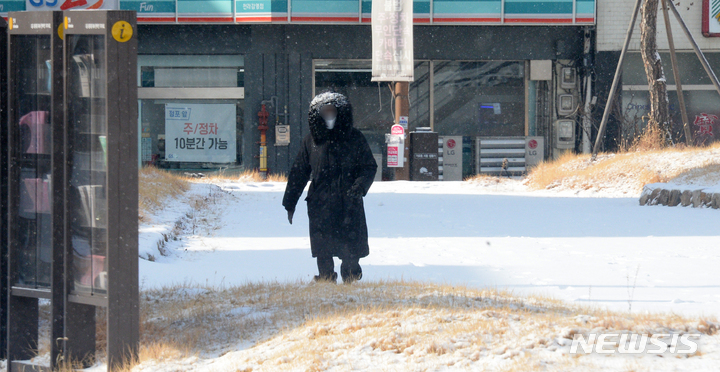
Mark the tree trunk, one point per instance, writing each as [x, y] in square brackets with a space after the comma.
[659, 118]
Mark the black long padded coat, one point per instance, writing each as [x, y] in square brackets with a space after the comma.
[334, 160]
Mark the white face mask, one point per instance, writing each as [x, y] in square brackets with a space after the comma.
[330, 123]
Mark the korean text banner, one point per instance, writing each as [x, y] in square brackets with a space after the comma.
[200, 133]
[392, 40]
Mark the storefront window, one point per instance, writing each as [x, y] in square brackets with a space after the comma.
[371, 101]
[701, 98]
[466, 99]
[193, 134]
[191, 110]
[479, 98]
[691, 71]
[191, 71]
[703, 111]
[169, 77]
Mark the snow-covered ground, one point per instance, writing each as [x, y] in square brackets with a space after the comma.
[588, 247]
[604, 251]
[624, 174]
[706, 179]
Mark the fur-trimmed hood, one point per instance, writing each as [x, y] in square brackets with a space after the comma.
[343, 123]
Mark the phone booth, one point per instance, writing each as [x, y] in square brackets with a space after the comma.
[72, 184]
[101, 182]
[35, 174]
[3, 188]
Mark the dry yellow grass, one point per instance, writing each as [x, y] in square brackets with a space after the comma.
[629, 170]
[155, 187]
[299, 326]
[250, 175]
[707, 175]
[254, 176]
[652, 138]
[486, 179]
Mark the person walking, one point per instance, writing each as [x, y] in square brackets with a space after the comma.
[337, 159]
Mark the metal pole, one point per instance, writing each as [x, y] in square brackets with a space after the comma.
[402, 108]
[616, 79]
[676, 74]
[587, 127]
[432, 95]
[587, 115]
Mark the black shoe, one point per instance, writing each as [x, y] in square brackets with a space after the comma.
[325, 278]
[351, 277]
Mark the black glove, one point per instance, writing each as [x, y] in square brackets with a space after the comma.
[356, 191]
[290, 215]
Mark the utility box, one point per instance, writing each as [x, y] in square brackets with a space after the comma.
[423, 156]
[565, 134]
[541, 70]
[534, 151]
[508, 156]
[72, 184]
[452, 158]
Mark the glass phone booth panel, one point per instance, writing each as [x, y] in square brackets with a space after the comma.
[87, 158]
[32, 75]
[101, 182]
[35, 163]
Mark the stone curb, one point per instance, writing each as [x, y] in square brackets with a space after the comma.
[675, 197]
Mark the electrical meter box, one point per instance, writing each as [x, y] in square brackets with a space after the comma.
[565, 134]
[72, 184]
[568, 78]
[423, 156]
[566, 104]
[282, 135]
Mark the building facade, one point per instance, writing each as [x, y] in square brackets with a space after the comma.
[483, 69]
[701, 99]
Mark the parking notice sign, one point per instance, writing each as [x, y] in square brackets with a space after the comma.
[200, 133]
[392, 156]
[396, 150]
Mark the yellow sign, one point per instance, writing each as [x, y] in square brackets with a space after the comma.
[61, 31]
[122, 31]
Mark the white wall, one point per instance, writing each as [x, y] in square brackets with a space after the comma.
[614, 17]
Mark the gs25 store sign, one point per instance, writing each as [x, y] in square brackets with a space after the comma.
[70, 4]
